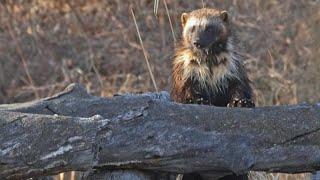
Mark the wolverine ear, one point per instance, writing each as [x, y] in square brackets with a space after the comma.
[224, 16]
[184, 18]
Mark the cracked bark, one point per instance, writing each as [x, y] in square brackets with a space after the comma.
[149, 135]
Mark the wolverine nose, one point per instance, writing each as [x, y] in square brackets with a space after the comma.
[197, 44]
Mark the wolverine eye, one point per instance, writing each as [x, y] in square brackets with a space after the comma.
[192, 28]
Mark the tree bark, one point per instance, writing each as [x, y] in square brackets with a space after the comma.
[76, 131]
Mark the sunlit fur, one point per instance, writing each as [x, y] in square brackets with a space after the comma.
[210, 78]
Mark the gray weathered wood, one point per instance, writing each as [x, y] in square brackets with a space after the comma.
[128, 175]
[76, 131]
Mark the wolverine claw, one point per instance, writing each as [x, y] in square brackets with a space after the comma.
[233, 103]
[248, 103]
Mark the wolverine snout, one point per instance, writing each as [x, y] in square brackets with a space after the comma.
[197, 44]
[203, 38]
[200, 41]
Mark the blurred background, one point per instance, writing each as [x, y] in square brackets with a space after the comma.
[46, 45]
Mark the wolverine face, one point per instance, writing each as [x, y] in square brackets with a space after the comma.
[205, 31]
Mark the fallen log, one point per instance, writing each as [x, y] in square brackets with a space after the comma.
[77, 131]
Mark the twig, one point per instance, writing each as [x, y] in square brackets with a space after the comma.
[155, 7]
[171, 26]
[144, 52]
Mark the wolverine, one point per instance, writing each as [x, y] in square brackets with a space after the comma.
[207, 66]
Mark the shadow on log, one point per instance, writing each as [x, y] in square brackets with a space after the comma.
[77, 131]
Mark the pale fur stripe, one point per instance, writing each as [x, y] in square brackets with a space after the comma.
[193, 21]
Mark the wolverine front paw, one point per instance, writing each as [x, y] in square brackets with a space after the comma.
[248, 103]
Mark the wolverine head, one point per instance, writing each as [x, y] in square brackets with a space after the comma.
[205, 31]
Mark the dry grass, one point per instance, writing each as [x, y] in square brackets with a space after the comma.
[45, 45]
[278, 176]
[144, 52]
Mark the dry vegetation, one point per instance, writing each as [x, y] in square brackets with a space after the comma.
[46, 45]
